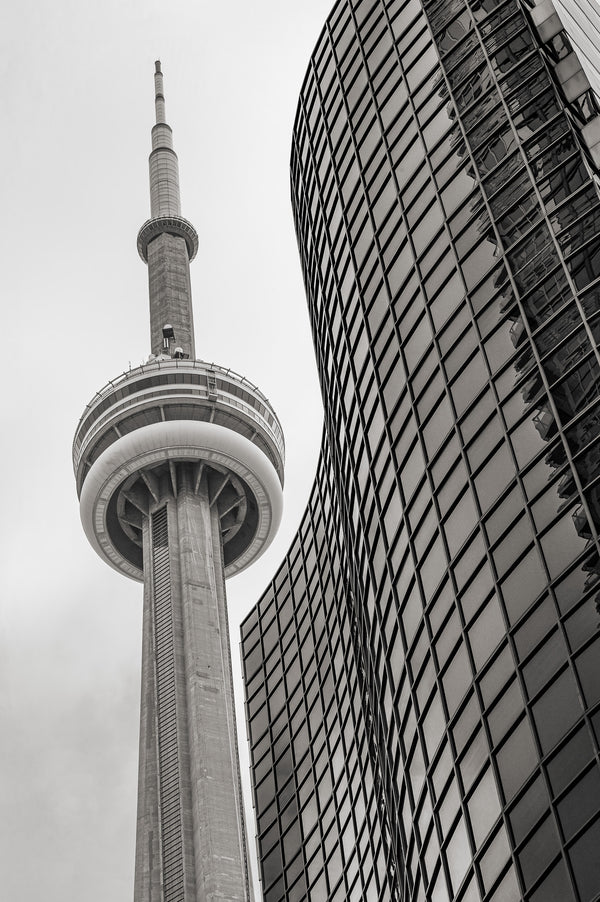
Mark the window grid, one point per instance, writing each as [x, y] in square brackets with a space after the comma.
[450, 263]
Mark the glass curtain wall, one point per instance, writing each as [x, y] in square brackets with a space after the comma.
[423, 674]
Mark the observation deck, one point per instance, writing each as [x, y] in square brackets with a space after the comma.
[165, 425]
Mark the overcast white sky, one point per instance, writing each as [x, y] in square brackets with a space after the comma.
[77, 108]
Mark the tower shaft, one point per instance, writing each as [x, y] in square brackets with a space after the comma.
[190, 835]
[170, 295]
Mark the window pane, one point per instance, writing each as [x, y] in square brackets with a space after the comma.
[570, 760]
[529, 809]
[588, 668]
[557, 710]
[516, 759]
[487, 631]
[494, 859]
[556, 886]
[585, 862]
[458, 854]
[484, 807]
[580, 803]
[539, 851]
[523, 585]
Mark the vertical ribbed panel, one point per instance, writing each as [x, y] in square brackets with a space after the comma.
[166, 715]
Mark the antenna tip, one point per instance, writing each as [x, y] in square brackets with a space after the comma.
[157, 66]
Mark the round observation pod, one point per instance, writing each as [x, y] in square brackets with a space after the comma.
[171, 225]
[159, 430]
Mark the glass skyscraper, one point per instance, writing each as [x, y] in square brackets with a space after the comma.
[423, 674]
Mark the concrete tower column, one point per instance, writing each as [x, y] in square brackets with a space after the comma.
[190, 817]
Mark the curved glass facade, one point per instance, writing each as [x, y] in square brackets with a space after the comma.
[423, 674]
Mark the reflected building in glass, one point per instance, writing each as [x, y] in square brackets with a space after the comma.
[423, 673]
[581, 20]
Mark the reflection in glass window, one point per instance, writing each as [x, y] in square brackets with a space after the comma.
[526, 441]
[585, 265]
[582, 624]
[547, 297]
[562, 544]
[587, 665]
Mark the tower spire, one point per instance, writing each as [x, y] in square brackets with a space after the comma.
[159, 97]
[167, 242]
[164, 166]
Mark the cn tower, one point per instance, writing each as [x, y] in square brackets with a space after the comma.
[179, 469]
